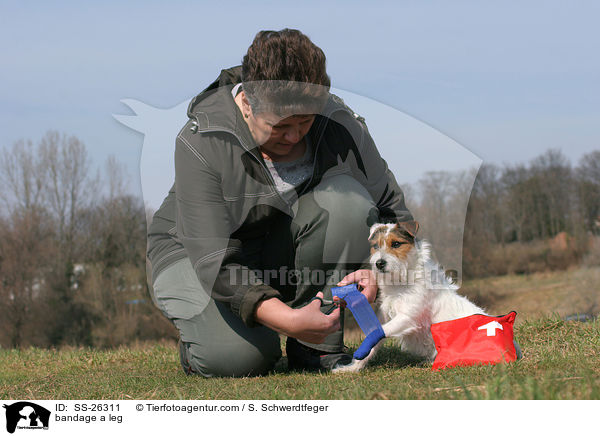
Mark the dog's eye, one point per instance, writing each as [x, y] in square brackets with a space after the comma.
[397, 244]
[376, 246]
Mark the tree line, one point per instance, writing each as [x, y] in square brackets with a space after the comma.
[72, 250]
[519, 218]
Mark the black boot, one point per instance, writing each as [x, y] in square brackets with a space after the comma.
[300, 357]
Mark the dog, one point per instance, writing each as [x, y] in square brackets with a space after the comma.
[414, 291]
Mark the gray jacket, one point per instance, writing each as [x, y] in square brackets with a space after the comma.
[224, 194]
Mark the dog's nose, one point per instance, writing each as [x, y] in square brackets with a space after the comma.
[380, 264]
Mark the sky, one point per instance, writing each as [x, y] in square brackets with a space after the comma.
[502, 82]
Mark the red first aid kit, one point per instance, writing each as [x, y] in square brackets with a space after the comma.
[474, 340]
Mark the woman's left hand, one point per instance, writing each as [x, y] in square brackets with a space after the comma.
[365, 279]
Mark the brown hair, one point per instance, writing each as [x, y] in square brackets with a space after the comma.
[284, 72]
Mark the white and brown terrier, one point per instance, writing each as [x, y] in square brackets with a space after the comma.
[414, 291]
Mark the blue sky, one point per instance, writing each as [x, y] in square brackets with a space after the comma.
[506, 80]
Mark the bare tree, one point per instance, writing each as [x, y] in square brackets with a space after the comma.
[25, 250]
[53, 217]
[22, 177]
[440, 207]
[45, 188]
[69, 188]
[116, 176]
[552, 174]
[588, 181]
[25, 240]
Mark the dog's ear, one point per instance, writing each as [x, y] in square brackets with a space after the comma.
[374, 229]
[410, 226]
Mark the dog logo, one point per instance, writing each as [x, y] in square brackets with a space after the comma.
[26, 415]
[430, 153]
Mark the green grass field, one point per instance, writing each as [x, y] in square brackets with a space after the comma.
[561, 361]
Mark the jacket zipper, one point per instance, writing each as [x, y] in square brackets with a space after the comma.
[315, 162]
[262, 165]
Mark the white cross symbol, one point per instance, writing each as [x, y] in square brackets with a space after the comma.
[491, 327]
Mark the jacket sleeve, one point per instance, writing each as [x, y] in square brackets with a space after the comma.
[204, 228]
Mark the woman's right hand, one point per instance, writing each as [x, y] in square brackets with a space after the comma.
[307, 324]
[312, 325]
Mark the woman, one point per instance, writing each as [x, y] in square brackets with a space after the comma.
[276, 184]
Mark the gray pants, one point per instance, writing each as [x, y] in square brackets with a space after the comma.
[326, 239]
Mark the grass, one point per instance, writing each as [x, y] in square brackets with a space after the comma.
[537, 295]
[561, 360]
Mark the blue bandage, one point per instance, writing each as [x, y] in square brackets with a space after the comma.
[364, 316]
[367, 345]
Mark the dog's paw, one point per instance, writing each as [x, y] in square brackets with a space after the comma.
[354, 366]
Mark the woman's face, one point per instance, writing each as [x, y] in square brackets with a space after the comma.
[278, 137]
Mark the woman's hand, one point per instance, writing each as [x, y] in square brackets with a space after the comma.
[365, 279]
[306, 324]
